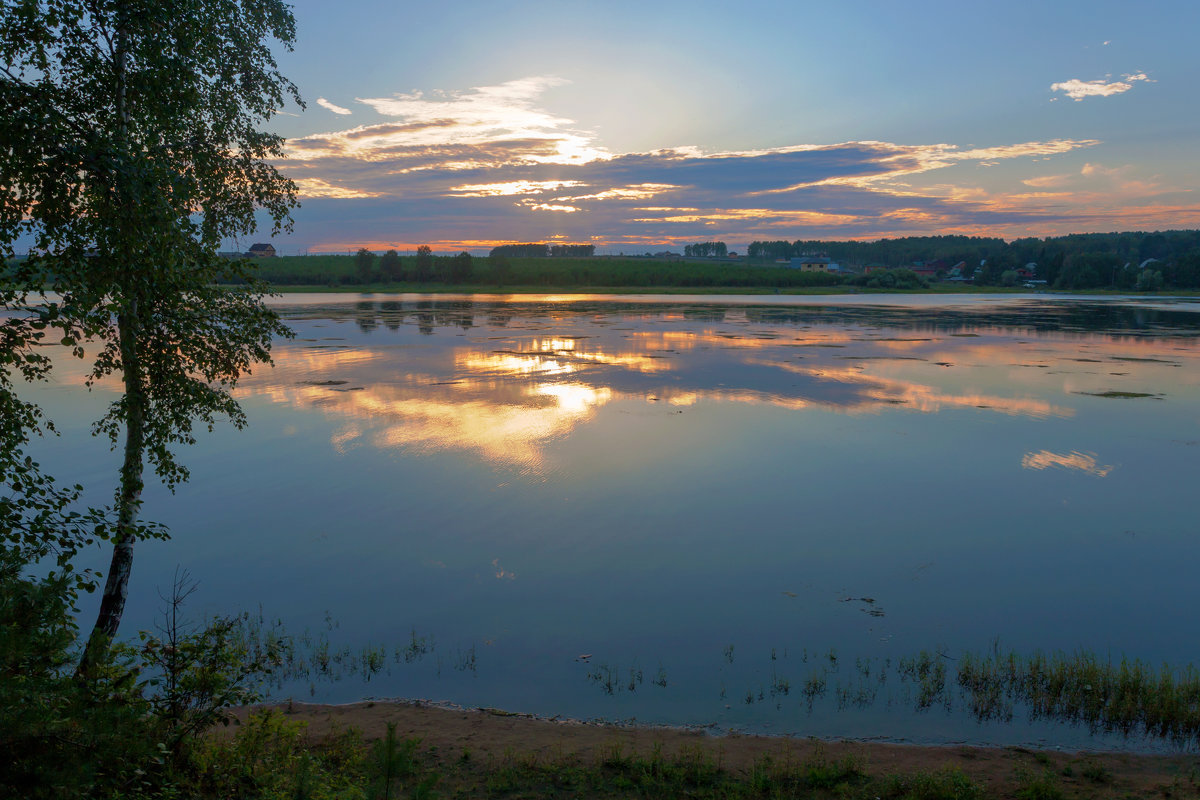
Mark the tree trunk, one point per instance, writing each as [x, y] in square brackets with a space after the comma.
[129, 495]
[129, 327]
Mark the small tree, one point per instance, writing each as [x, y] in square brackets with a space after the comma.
[461, 267]
[424, 263]
[364, 264]
[390, 267]
[130, 150]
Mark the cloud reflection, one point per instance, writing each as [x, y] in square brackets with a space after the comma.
[1082, 462]
[475, 377]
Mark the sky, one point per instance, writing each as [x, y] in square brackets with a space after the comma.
[643, 126]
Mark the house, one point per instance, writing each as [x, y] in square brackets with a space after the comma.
[810, 264]
[261, 251]
[874, 267]
[959, 273]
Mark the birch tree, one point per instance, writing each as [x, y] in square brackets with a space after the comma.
[130, 148]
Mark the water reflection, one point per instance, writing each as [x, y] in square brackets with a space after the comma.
[1083, 462]
[831, 489]
[503, 380]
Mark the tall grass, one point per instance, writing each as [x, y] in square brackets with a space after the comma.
[1130, 696]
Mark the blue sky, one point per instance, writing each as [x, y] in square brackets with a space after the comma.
[639, 126]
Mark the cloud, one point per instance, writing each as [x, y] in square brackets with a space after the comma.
[486, 114]
[1099, 170]
[323, 103]
[1048, 181]
[315, 187]
[467, 169]
[1078, 90]
[510, 188]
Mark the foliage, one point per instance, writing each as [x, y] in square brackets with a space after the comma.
[391, 762]
[521, 250]
[197, 673]
[500, 268]
[948, 784]
[1076, 261]
[572, 250]
[390, 267]
[364, 264]
[544, 250]
[706, 250]
[271, 757]
[889, 279]
[60, 737]
[128, 727]
[461, 267]
[130, 148]
[579, 272]
[424, 270]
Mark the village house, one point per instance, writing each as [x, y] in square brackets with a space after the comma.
[810, 263]
[261, 251]
[927, 269]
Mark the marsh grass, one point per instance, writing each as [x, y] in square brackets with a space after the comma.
[927, 670]
[314, 657]
[1129, 697]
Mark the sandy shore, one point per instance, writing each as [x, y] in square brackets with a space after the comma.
[491, 736]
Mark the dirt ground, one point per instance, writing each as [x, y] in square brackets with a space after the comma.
[492, 736]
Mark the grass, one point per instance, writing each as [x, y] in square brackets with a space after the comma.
[273, 757]
[1130, 696]
[946, 784]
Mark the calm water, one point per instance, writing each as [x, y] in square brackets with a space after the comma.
[713, 493]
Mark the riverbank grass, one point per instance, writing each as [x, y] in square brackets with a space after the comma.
[276, 755]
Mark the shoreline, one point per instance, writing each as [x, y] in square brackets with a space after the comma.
[494, 737]
[745, 291]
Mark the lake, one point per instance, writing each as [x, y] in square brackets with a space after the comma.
[694, 510]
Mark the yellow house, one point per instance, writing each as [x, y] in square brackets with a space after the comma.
[811, 264]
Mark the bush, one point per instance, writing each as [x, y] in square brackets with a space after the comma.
[889, 279]
[61, 736]
[128, 729]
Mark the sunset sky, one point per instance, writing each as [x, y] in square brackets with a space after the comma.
[643, 125]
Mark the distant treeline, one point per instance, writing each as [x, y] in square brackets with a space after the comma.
[501, 271]
[1123, 261]
[543, 250]
[706, 250]
[1132, 260]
